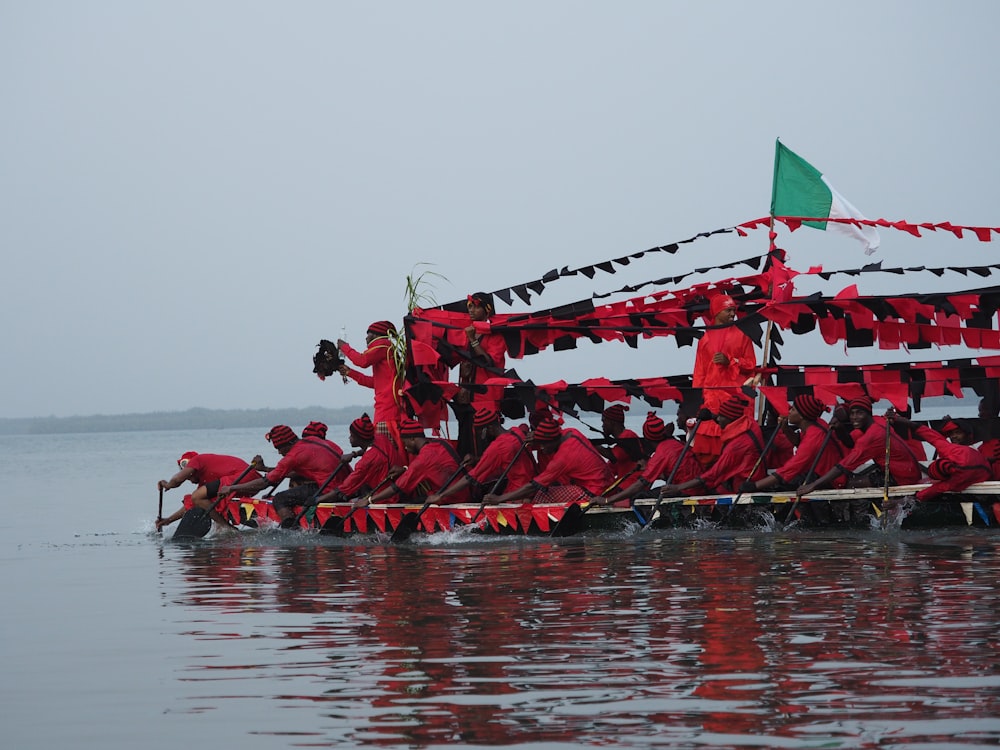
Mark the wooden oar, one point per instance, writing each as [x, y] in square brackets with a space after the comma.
[503, 475]
[159, 514]
[334, 525]
[756, 465]
[808, 478]
[673, 472]
[291, 523]
[408, 523]
[567, 525]
[884, 520]
[197, 522]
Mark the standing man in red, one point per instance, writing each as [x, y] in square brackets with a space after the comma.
[209, 471]
[725, 359]
[386, 380]
[483, 359]
[308, 458]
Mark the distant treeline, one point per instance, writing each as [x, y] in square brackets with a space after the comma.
[192, 419]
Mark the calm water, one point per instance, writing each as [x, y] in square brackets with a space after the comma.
[115, 638]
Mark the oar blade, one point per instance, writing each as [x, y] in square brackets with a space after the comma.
[194, 524]
[334, 526]
[407, 525]
[569, 524]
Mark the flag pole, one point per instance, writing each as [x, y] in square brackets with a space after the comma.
[766, 347]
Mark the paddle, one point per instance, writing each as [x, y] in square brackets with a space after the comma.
[408, 524]
[291, 523]
[808, 478]
[566, 526]
[503, 475]
[884, 520]
[197, 522]
[756, 465]
[159, 514]
[673, 472]
[334, 525]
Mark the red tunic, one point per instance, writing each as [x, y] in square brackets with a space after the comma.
[309, 459]
[870, 446]
[384, 379]
[575, 462]
[494, 347]
[433, 465]
[498, 456]
[371, 468]
[714, 378]
[972, 466]
[621, 462]
[663, 460]
[742, 444]
[211, 467]
[795, 469]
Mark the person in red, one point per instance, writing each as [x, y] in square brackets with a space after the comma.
[575, 472]
[725, 358]
[817, 453]
[956, 466]
[625, 454]
[435, 464]
[870, 445]
[662, 463]
[484, 358]
[506, 456]
[310, 459]
[371, 469]
[742, 443]
[386, 380]
[961, 432]
[209, 471]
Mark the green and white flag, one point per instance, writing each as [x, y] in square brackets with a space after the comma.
[800, 189]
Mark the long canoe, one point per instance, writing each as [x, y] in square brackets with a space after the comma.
[979, 505]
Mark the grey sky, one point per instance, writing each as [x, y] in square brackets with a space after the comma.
[192, 194]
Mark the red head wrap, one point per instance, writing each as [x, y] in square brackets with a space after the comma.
[411, 428]
[314, 429]
[546, 430]
[653, 428]
[484, 416]
[363, 427]
[734, 408]
[281, 435]
[809, 406]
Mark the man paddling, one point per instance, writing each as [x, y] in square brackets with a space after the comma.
[575, 472]
[310, 459]
[870, 445]
[505, 455]
[434, 463]
[210, 471]
[370, 470]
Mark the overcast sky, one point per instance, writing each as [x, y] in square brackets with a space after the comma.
[192, 194]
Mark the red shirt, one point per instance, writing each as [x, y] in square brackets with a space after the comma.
[385, 379]
[211, 467]
[742, 443]
[494, 347]
[434, 465]
[870, 446]
[575, 462]
[498, 456]
[663, 460]
[310, 459]
[735, 344]
[972, 465]
[810, 444]
[621, 462]
[371, 468]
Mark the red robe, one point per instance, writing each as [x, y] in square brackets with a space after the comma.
[972, 466]
[716, 379]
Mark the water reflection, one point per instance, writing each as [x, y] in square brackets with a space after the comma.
[715, 639]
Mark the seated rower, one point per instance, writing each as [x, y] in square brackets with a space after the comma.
[310, 459]
[956, 466]
[210, 471]
[372, 466]
[663, 463]
[575, 471]
[625, 454]
[435, 463]
[817, 452]
[742, 443]
[506, 455]
[870, 445]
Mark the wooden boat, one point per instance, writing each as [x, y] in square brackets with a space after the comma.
[978, 506]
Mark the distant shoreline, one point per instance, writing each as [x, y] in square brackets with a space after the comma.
[192, 419]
